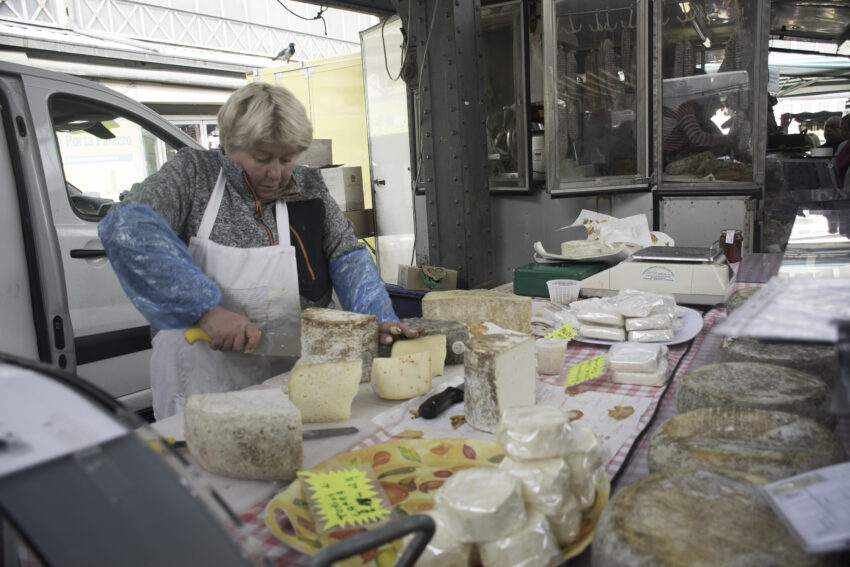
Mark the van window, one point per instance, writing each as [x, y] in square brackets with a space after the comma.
[103, 153]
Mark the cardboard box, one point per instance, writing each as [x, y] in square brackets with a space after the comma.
[410, 277]
[317, 155]
[345, 184]
[363, 221]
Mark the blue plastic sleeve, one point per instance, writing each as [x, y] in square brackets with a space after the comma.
[359, 286]
[155, 268]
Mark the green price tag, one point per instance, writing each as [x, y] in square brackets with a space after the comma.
[565, 332]
[586, 370]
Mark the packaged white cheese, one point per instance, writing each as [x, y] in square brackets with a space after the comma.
[636, 303]
[597, 311]
[653, 336]
[649, 322]
[635, 357]
[443, 549]
[535, 432]
[658, 377]
[605, 333]
[532, 545]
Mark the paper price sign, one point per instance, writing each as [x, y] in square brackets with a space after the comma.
[586, 370]
[567, 331]
[344, 498]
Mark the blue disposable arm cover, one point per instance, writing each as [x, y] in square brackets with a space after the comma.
[359, 285]
[155, 268]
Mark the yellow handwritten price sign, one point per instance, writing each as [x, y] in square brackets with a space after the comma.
[345, 498]
[567, 331]
[586, 370]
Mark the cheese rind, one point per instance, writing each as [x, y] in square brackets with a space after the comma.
[756, 385]
[818, 360]
[254, 435]
[331, 334]
[534, 432]
[482, 504]
[499, 375]
[402, 377]
[772, 444]
[434, 345]
[531, 545]
[479, 305]
[456, 335]
[323, 391]
[695, 519]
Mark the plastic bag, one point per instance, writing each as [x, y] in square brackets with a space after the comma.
[635, 357]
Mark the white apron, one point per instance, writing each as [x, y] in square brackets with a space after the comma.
[259, 283]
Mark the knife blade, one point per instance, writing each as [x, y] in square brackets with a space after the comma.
[305, 435]
[438, 403]
[270, 344]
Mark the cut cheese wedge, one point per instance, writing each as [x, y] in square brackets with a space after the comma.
[434, 345]
[323, 391]
[402, 377]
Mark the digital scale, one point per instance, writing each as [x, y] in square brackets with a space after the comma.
[698, 276]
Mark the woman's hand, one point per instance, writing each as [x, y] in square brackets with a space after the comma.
[229, 331]
[389, 330]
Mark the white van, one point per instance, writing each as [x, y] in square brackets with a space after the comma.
[70, 148]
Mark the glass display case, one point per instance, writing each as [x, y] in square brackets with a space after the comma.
[504, 52]
[596, 105]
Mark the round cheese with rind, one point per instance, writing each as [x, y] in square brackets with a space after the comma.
[331, 334]
[818, 360]
[536, 432]
[456, 335]
[756, 385]
[545, 482]
[482, 504]
[773, 444]
[695, 518]
[531, 545]
[739, 297]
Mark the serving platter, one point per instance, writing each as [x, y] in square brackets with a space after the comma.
[691, 324]
[409, 471]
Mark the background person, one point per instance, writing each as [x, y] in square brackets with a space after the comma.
[198, 243]
[832, 133]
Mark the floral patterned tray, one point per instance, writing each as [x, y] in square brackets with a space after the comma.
[409, 472]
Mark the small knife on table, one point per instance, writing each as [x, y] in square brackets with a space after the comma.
[270, 344]
[438, 403]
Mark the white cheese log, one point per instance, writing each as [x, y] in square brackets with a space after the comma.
[254, 435]
[434, 345]
[817, 360]
[499, 375]
[482, 504]
[535, 432]
[443, 549]
[479, 305]
[695, 518]
[545, 482]
[756, 385]
[323, 391]
[769, 443]
[330, 334]
[402, 377]
[532, 545]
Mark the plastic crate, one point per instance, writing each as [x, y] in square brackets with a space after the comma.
[531, 279]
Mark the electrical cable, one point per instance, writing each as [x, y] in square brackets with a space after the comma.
[318, 16]
[404, 46]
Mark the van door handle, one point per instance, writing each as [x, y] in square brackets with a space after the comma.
[88, 253]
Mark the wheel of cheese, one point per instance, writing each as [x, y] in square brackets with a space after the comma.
[456, 335]
[331, 334]
[773, 444]
[250, 434]
[695, 518]
[739, 297]
[479, 305]
[756, 385]
[818, 360]
[481, 504]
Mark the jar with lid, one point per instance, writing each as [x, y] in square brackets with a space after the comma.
[732, 244]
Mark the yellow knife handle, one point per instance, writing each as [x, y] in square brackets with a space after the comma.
[193, 334]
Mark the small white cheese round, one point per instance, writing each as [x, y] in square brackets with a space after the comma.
[536, 432]
[566, 523]
[443, 549]
[532, 545]
[482, 504]
[545, 482]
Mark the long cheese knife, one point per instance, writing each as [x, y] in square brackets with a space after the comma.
[305, 435]
[271, 343]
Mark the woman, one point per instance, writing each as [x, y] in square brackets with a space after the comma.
[197, 244]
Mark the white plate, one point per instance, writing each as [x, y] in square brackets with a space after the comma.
[691, 320]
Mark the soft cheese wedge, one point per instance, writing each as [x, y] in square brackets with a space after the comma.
[402, 377]
[323, 391]
[434, 345]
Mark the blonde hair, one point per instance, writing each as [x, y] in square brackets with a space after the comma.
[260, 113]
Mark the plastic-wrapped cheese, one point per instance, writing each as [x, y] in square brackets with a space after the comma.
[330, 334]
[476, 305]
[652, 336]
[635, 357]
[695, 518]
[817, 360]
[604, 333]
[536, 432]
[655, 378]
[649, 322]
[566, 522]
[756, 385]
[586, 455]
[773, 444]
[545, 482]
[482, 504]
[531, 545]
[434, 345]
[402, 377]
[500, 374]
[597, 311]
[323, 391]
[249, 434]
[443, 549]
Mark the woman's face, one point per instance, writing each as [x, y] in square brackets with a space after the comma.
[268, 167]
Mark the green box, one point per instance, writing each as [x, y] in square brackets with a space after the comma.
[531, 279]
